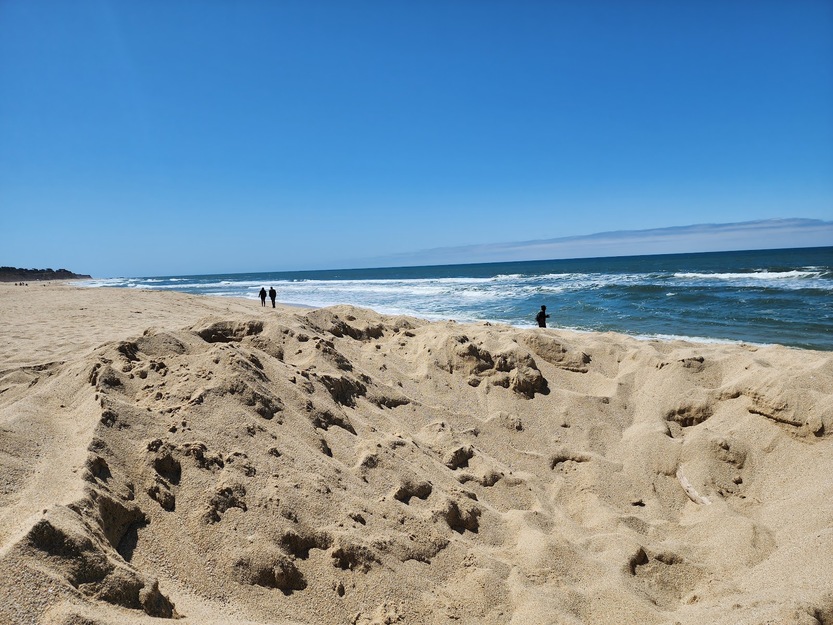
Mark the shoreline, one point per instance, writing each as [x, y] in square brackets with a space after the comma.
[636, 336]
[746, 297]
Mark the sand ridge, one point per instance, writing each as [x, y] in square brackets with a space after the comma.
[231, 464]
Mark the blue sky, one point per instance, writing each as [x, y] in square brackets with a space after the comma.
[169, 137]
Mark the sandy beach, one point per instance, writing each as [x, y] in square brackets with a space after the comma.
[167, 456]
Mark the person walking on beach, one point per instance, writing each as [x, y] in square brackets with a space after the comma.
[262, 296]
[272, 295]
[542, 317]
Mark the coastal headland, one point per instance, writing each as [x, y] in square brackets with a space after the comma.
[17, 274]
[170, 456]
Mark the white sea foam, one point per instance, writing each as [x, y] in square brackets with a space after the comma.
[752, 275]
[103, 282]
[691, 339]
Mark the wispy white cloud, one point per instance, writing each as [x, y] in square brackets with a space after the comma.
[748, 235]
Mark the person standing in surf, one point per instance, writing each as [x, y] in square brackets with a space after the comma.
[542, 317]
[262, 296]
[272, 295]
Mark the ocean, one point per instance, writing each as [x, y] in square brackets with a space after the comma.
[760, 297]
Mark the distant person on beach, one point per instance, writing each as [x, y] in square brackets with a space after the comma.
[262, 296]
[272, 295]
[542, 317]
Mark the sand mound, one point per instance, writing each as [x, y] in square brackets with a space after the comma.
[338, 466]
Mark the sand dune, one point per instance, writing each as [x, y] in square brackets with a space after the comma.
[205, 459]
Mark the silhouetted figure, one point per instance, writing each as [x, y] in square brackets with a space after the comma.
[542, 317]
[262, 296]
[272, 295]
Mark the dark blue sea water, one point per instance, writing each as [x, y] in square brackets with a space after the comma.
[769, 296]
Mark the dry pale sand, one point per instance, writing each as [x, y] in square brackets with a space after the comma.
[163, 455]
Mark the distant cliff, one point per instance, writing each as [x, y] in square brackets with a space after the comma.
[14, 274]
